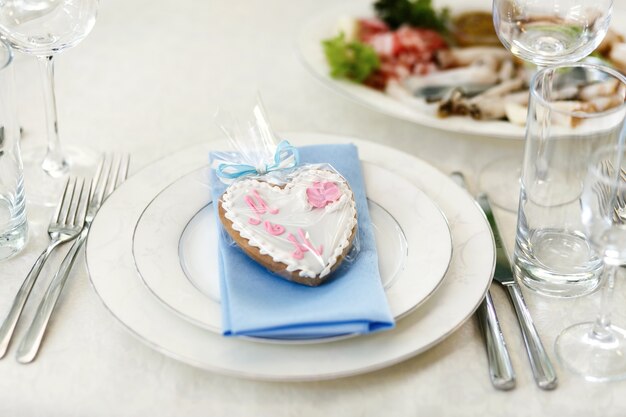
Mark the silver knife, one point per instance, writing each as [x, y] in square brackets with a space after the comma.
[501, 370]
[542, 368]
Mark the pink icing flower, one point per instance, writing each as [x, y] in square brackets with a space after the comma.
[321, 194]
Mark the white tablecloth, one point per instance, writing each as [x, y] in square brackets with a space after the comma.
[147, 81]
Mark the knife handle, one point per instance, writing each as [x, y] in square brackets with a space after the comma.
[500, 368]
[542, 368]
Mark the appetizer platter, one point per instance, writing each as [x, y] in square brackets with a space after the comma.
[440, 65]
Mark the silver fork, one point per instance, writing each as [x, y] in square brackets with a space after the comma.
[108, 177]
[65, 225]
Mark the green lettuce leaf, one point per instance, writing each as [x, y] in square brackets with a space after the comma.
[352, 60]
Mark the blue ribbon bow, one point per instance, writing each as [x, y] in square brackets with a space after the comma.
[286, 157]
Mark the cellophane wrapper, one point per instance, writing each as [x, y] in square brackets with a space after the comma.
[299, 220]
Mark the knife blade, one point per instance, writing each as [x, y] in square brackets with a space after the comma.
[540, 363]
[501, 371]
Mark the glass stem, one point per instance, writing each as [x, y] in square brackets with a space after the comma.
[602, 327]
[54, 163]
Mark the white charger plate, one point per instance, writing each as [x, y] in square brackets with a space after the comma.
[176, 255]
[413, 110]
[114, 277]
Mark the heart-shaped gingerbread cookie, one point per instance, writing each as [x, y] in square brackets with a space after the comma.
[301, 231]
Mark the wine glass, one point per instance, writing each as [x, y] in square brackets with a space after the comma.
[551, 32]
[597, 350]
[44, 28]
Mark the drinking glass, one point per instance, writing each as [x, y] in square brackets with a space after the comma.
[13, 225]
[552, 253]
[44, 28]
[544, 33]
[551, 32]
[597, 350]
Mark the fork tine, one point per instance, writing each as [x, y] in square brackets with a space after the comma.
[83, 193]
[73, 206]
[67, 201]
[57, 211]
[121, 173]
[81, 209]
[99, 180]
[125, 164]
[104, 179]
[113, 175]
[117, 173]
[98, 175]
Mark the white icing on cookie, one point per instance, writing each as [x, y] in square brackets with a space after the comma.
[303, 237]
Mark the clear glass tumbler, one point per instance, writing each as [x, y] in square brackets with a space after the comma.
[13, 225]
[574, 110]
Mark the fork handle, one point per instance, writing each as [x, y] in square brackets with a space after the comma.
[540, 363]
[501, 370]
[8, 326]
[27, 351]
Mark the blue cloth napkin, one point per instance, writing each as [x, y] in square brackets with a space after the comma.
[257, 303]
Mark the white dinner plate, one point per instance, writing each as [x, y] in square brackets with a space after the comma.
[175, 245]
[114, 277]
[325, 25]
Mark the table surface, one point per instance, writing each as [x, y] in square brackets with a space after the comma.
[147, 81]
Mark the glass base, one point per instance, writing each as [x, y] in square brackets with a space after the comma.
[500, 181]
[561, 288]
[556, 263]
[45, 190]
[593, 357]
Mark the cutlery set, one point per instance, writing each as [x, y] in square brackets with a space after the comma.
[501, 370]
[71, 221]
[542, 368]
